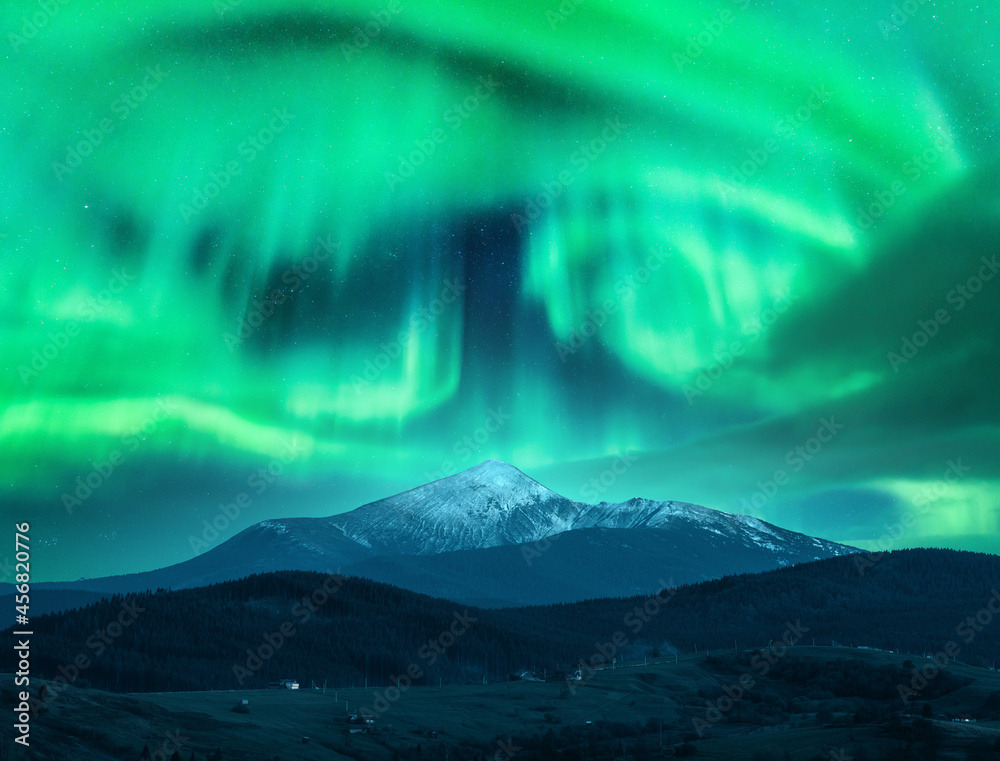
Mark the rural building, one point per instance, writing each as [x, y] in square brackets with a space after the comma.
[360, 724]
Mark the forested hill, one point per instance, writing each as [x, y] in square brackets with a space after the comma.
[909, 600]
[287, 624]
[916, 601]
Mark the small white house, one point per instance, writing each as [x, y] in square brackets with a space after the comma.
[362, 724]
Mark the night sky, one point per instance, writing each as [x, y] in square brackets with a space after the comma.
[273, 259]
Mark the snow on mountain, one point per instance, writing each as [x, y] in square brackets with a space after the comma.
[684, 517]
[485, 506]
[495, 504]
[467, 537]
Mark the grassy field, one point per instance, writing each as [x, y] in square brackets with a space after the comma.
[279, 721]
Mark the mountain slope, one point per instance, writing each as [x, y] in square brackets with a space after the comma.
[449, 538]
[914, 601]
[586, 563]
[494, 504]
[485, 506]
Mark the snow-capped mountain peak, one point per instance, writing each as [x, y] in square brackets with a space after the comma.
[451, 538]
[490, 504]
[494, 504]
[502, 479]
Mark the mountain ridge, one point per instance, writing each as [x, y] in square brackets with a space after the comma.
[446, 537]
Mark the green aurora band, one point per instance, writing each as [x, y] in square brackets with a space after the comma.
[634, 251]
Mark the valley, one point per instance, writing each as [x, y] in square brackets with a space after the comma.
[636, 711]
[868, 657]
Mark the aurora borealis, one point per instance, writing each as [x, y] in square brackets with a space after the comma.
[738, 254]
